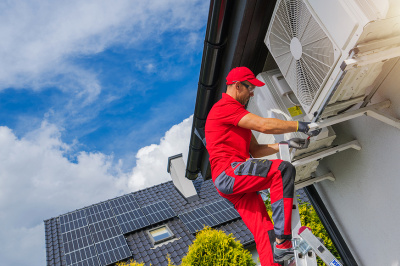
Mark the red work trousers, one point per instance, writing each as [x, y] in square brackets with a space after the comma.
[240, 184]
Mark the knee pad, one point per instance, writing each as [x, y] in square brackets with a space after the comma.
[288, 172]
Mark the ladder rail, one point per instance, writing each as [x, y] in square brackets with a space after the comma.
[303, 236]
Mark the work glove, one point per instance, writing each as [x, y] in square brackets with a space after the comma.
[297, 143]
[303, 127]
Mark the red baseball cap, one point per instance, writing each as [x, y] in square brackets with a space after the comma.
[243, 74]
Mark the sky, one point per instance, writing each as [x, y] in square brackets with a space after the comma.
[94, 97]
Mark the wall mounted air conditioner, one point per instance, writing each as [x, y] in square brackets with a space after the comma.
[311, 40]
[276, 100]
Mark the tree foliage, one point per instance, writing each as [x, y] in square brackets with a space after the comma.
[214, 248]
[134, 263]
[130, 263]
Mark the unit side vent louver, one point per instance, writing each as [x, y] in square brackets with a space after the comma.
[302, 49]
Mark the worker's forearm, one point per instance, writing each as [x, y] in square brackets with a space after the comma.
[277, 126]
[262, 150]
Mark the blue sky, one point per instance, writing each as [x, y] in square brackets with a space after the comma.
[94, 97]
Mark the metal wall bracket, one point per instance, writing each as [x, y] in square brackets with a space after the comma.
[371, 57]
[371, 110]
[318, 156]
[312, 180]
[324, 153]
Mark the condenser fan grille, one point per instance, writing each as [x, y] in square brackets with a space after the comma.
[301, 48]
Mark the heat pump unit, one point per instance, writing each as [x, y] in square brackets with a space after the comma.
[276, 100]
[311, 40]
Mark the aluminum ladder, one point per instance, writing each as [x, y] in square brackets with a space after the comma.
[306, 245]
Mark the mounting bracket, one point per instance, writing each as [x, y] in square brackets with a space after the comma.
[372, 110]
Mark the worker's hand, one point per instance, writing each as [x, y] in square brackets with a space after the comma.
[297, 143]
[304, 127]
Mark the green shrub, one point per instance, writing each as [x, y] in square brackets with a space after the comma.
[134, 263]
[214, 248]
[130, 263]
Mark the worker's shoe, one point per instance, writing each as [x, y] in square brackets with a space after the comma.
[283, 251]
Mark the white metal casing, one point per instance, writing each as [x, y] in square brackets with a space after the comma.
[342, 26]
[268, 102]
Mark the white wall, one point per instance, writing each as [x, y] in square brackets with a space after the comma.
[365, 198]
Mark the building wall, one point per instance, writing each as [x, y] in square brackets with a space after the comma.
[364, 200]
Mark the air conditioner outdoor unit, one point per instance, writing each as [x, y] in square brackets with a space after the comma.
[332, 53]
[276, 100]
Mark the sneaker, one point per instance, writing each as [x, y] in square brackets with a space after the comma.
[283, 251]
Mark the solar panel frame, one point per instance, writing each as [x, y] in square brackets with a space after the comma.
[99, 212]
[158, 212]
[78, 245]
[85, 256]
[132, 221]
[124, 204]
[196, 219]
[109, 241]
[112, 250]
[72, 220]
[128, 213]
[102, 222]
[222, 211]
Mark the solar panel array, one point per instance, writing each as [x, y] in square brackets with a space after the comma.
[222, 210]
[79, 248]
[210, 215]
[107, 234]
[128, 213]
[113, 249]
[94, 236]
[196, 219]
[159, 211]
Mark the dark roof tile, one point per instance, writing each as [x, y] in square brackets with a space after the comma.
[140, 243]
[153, 256]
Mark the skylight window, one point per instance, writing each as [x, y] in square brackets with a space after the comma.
[160, 234]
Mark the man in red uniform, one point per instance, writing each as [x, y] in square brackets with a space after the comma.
[238, 176]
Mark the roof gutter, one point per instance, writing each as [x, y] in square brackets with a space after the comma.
[214, 43]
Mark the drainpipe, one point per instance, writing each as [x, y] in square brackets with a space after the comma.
[214, 43]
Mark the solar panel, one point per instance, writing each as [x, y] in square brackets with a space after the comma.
[110, 244]
[132, 221]
[196, 219]
[77, 241]
[128, 213]
[99, 212]
[85, 256]
[159, 211]
[73, 220]
[112, 250]
[222, 210]
[102, 222]
[124, 204]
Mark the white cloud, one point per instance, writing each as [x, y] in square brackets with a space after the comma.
[37, 182]
[41, 39]
[151, 161]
